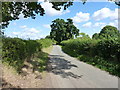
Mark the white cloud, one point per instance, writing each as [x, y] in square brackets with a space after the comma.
[27, 32]
[14, 23]
[51, 11]
[46, 26]
[16, 33]
[114, 14]
[33, 30]
[99, 24]
[21, 16]
[106, 13]
[88, 24]
[75, 24]
[81, 17]
[114, 23]
[23, 27]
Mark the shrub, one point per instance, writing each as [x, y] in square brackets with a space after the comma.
[76, 47]
[32, 46]
[108, 49]
[45, 42]
[104, 53]
[110, 66]
[14, 52]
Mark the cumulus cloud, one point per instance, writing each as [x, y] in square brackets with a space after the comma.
[27, 32]
[99, 24]
[51, 11]
[23, 27]
[33, 30]
[81, 17]
[76, 25]
[102, 24]
[16, 33]
[106, 13]
[14, 23]
[46, 26]
[21, 16]
[114, 23]
[88, 24]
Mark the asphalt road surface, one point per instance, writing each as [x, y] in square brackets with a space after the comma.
[68, 72]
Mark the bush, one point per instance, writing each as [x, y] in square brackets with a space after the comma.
[110, 66]
[45, 42]
[108, 49]
[32, 46]
[76, 47]
[15, 51]
[104, 53]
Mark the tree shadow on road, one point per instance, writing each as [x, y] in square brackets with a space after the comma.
[60, 66]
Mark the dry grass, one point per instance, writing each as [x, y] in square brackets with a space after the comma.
[48, 49]
[31, 79]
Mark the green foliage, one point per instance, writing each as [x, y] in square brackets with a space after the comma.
[95, 36]
[40, 61]
[81, 46]
[32, 47]
[108, 32]
[103, 52]
[108, 49]
[15, 51]
[83, 35]
[45, 42]
[12, 10]
[110, 66]
[48, 37]
[61, 30]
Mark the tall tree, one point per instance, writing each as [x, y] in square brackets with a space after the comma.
[61, 30]
[95, 36]
[107, 32]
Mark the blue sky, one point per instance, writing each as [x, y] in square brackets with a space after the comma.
[88, 18]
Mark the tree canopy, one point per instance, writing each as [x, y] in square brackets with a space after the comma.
[107, 32]
[61, 30]
[12, 10]
[83, 35]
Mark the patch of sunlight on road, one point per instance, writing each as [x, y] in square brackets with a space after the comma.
[48, 49]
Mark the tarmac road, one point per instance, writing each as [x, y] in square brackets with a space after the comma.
[68, 72]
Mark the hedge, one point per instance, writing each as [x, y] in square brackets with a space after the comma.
[15, 50]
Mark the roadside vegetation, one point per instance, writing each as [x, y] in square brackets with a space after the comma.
[63, 30]
[15, 52]
[102, 51]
